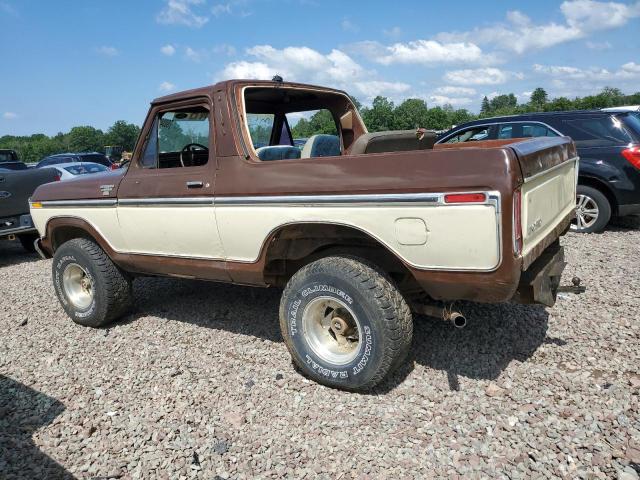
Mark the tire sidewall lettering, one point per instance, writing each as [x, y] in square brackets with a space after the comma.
[342, 291]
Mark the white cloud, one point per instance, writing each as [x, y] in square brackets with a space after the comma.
[589, 15]
[480, 76]
[450, 90]
[221, 9]
[628, 71]
[168, 50]
[446, 100]
[9, 115]
[424, 52]
[348, 26]
[224, 49]
[393, 32]
[166, 87]
[179, 12]
[193, 55]
[108, 51]
[7, 8]
[303, 64]
[372, 88]
[598, 46]
[519, 34]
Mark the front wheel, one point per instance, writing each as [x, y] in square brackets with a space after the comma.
[344, 323]
[593, 210]
[91, 288]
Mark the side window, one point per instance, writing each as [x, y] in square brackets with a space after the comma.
[505, 131]
[597, 132]
[260, 128]
[178, 138]
[305, 125]
[537, 130]
[150, 156]
[473, 134]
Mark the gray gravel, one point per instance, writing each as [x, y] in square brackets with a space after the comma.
[197, 384]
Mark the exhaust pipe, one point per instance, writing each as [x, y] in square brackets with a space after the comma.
[11, 237]
[456, 318]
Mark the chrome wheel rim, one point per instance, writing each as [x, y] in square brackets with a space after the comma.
[587, 212]
[331, 330]
[78, 286]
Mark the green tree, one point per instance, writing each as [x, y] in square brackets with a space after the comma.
[539, 98]
[485, 109]
[380, 116]
[412, 113]
[123, 134]
[85, 139]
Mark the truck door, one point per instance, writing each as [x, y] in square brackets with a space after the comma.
[165, 201]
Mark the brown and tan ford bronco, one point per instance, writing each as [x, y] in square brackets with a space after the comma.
[359, 229]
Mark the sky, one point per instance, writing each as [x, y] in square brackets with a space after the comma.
[92, 62]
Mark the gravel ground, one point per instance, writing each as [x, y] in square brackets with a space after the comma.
[198, 384]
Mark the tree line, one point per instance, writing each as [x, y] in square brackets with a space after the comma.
[383, 114]
[33, 148]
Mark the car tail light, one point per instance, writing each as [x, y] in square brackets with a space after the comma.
[57, 178]
[632, 154]
[114, 166]
[517, 222]
[465, 198]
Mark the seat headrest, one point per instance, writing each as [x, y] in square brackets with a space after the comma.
[278, 152]
[393, 141]
[321, 145]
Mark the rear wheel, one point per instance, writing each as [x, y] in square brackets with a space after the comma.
[91, 288]
[344, 323]
[593, 210]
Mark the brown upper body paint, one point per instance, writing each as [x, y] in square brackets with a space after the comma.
[234, 170]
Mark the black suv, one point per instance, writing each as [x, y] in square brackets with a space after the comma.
[59, 158]
[608, 145]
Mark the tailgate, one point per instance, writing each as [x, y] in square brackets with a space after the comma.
[550, 172]
[17, 186]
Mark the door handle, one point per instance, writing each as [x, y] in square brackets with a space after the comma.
[195, 184]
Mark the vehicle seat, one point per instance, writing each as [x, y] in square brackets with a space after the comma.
[321, 145]
[392, 141]
[278, 152]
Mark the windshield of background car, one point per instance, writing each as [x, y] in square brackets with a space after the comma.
[84, 169]
[7, 157]
[601, 131]
[95, 157]
[473, 134]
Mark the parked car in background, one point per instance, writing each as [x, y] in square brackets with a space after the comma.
[13, 166]
[59, 158]
[608, 144]
[8, 156]
[15, 189]
[70, 170]
[626, 108]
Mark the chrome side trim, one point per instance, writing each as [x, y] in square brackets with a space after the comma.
[425, 198]
[552, 169]
[106, 202]
[166, 202]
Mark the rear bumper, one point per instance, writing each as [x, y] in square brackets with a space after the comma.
[16, 225]
[540, 282]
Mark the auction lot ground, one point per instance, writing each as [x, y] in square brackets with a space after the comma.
[197, 383]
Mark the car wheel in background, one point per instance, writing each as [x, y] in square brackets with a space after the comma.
[593, 210]
[344, 323]
[91, 288]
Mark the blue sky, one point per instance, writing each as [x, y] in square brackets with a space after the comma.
[93, 62]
